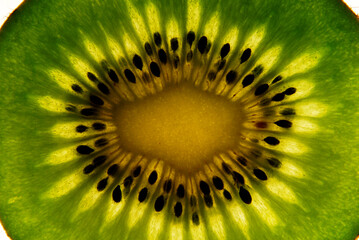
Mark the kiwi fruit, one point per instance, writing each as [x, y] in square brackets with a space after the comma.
[189, 119]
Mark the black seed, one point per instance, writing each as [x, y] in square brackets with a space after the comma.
[180, 191]
[238, 178]
[257, 70]
[246, 55]
[77, 88]
[158, 38]
[189, 56]
[163, 56]
[245, 195]
[148, 49]
[248, 80]
[261, 89]
[290, 91]
[88, 169]
[272, 141]
[142, 195]
[113, 76]
[137, 171]
[231, 77]
[167, 186]
[260, 174]
[221, 65]
[195, 218]
[190, 37]
[117, 194]
[217, 182]
[102, 184]
[128, 181]
[101, 142]
[204, 187]
[227, 195]
[277, 79]
[152, 178]
[92, 77]
[160, 203]
[284, 123]
[83, 149]
[288, 112]
[178, 209]
[208, 200]
[193, 201]
[155, 69]
[99, 160]
[274, 162]
[278, 97]
[202, 44]
[99, 126]
[225, 50]
[88, 112]
[137, 61]
[176, 61]
[81, 128]
[226, 168]
[174, 44]
[71, 108]
[103, 88]
[130, 76]
[112, 170]
[211, 76]
[242, 160]
[96, 100]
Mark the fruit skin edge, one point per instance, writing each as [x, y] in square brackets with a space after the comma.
[352, 142]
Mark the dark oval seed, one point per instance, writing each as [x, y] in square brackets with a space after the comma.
[162, 56]
[189, 56]
[88, 112]
[160, 203]
[101, 142]
[278, 97]
[290, 91]
[208, 200]
[195, 218]
[113, 76]
[277, 79]
[284, 123]
[261, 89]
[130, 76]
[238, 178]
[89, 168]
[128, 181]
[137, 171]
[211, 76]
[174, 44]
[178, 209]
[92, 77]
[227, 195]
[217, 182]
[83, 149]
[226, 168]
[77, 88]
[142, 195]
[117, 194]
[155, 69]
[99, 126]
[245, 195]
[81, 128]
[176, 61]
[148, 49]
[137, 61]
[204, 187]
[274, 162]
[272, 141]
[190, 37]
[248, 80]
[102, 184]
[167, 186]
[202, 44]
[180, 191]
[99, 160]
[112, 170]
[231, 77]
[221, 65]
[225, 50]
[96, 100]
[242, 160]
[246, 55]
[152, 178]
[260, 174]
[103, 88]
[158, 39]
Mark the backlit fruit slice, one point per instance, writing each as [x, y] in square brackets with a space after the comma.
[192, 119]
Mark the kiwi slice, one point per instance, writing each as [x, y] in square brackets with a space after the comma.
[190, 119]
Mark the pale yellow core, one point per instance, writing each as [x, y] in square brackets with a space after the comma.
[182, 125]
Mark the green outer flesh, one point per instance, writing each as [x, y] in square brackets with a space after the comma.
[29, 43]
